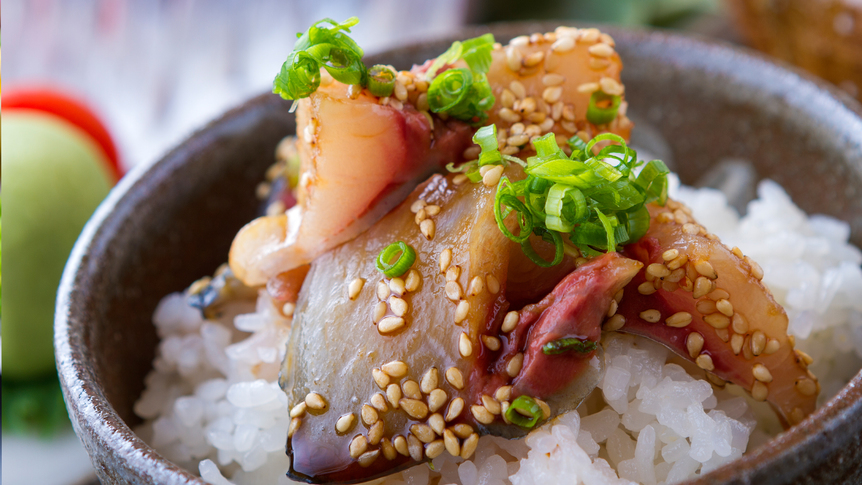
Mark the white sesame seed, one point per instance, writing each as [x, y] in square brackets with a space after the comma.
[345, 423]
[414, 408]
[378, 400]
[355, 287]
[390, 324]
[399, 306]
[369, 415]
[611, 86]
[514, 365]
[410, 388]
[453, 446]
[453, 290]
[493, 284]
[358, 446]
[455, 408]
[437, 399]
[658, 270]
[601, 50]
[507, 114]
[445, 259]
[705, 268]
[670, 255]
[294, 425]
[772, 346]
[679, 320]
[492, 343]
[427, 228]
[491, 404]
[298, 410]
[518, 89]
[432, 210]
[429, 380]
[477, 285]
[510, 322]
[453, 273]
[400, 91]
[651, 316]
[761, 373]
[455, 378]
[396, 285]
[461, 311]
[736, 342]
[694, 344]
[614, 323]
[513, 58]
[725, 307]
[534, 59]
[706, 306]
[465, 346]
[492, 177]
[702, 286]
[413, 280]
[704, 361]
[481, 414]
[553, 79]
[806, 387]
[400, 445]
[758, 342]
[563, 45]
[646, 288]
[315, 401]
[393, 394]
[383, 290]
[552, 94]
[759, 391]
[717, 320]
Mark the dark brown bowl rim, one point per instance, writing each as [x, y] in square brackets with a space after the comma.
[789, 454]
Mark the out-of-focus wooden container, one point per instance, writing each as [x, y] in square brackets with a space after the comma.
[822, 36]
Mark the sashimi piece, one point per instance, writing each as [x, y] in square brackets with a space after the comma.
[382, 373]
[361, 154]
[359, 160]
[706, 302]
[547, 80]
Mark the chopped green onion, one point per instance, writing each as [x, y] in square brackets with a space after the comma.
[594, 199]
[476, 52]
[600, 115]
[564, 345]
[486, 138]
[405, 258]
[463, 93]
[524, 411]
[381, 81]
[319, 47]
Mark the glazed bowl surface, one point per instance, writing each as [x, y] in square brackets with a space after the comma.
[169, 223]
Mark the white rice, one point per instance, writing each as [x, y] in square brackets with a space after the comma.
[212, 402]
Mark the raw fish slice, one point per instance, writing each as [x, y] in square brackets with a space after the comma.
[433, 368]
[361, 155]
[359, 160]
[706, 303]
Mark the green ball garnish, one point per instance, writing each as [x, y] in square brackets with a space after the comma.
[55, 177]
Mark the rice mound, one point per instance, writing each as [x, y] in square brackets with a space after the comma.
[212, 402]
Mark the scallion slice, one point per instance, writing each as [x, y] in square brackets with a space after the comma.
[565, 345]
[600, 115]
[324, 45]
[381, 81]
[524, 412]
[405, 255]
[593, 197]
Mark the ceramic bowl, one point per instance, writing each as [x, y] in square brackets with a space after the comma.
[169, 223]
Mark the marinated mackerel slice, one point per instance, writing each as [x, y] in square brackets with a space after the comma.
[383, 373]
[543, 83]
[359, 160]
[706, 303]
[361, 154]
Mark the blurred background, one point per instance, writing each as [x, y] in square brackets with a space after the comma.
[96, 87]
